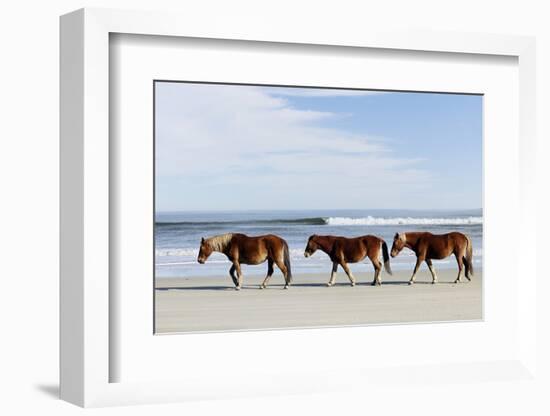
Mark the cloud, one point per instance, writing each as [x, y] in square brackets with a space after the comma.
[229, 147]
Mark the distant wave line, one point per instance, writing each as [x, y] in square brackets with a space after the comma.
[334, 221]
[299, 221]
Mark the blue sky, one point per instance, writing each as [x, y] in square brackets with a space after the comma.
[228, 147]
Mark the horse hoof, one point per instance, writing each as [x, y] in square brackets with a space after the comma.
[286, 287]
[329, 284]
[373, 284]
[237, 288]
[411, 282]
[353, 284]
[434, 282]
[262, 287]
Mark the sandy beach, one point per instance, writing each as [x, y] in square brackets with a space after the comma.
[212, 304]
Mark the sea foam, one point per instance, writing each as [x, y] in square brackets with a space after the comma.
[403, 221]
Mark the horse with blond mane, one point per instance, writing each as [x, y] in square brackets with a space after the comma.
[428, 247]
[242, 249]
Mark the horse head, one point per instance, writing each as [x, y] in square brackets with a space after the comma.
[311, 246]
[204, 252]
[399, 242]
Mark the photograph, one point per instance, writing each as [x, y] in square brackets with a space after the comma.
[286, 207]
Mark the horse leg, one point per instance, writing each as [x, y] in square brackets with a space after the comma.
[377, 269]
[333, 274]
[281, 265]
[432, 270]
[348, 272]
[239, 275]
[467, 268]
[232, 274]
[269, 273]
[419, 261]
[460, 266]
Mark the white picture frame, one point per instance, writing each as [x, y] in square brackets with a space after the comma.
[86, 302]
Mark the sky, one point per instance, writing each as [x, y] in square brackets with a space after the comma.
[235, 147]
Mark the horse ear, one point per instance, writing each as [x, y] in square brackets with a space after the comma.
[202, 240]
[396, 235]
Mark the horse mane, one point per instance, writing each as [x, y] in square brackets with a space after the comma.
[219, 242]
[324, 241]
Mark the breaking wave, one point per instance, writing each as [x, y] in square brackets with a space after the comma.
[403, 221]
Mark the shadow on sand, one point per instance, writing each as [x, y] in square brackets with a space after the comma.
[280, 286]
[190, 288]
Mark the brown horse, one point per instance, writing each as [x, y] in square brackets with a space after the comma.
[342, 251]
[241, 249]
[428, 247]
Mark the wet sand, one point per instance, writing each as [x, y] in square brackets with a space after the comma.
[212, 304]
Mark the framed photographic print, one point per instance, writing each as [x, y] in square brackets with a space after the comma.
[270, 187]
[252, 214]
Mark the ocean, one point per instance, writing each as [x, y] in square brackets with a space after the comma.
[178, 235]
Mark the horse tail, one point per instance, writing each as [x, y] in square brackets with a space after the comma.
[386, 257]
[468, 258]
[286, 259]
